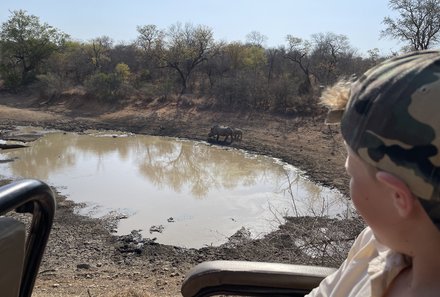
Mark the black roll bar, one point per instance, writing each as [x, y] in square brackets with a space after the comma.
[35, 197]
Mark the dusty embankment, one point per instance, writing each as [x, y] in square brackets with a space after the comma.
[84, 259]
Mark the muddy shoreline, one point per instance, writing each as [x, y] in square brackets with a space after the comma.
[83, 256]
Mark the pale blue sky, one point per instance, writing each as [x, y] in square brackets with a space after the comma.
[230, 20]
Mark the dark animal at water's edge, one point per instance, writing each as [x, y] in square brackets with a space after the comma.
[237, 134]
[218, 131]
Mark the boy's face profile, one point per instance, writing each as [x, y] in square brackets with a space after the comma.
[362, 185]
[369, 196]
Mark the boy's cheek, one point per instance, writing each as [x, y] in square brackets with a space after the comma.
[352, 189]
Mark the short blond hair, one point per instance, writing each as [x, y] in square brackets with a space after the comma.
[335, 97]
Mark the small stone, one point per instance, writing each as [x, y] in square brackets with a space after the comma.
[159, 229]
[55, 285]
[83, 266]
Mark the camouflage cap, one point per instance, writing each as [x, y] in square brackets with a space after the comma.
[392, 120]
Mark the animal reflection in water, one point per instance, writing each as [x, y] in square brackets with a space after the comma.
[227, 132]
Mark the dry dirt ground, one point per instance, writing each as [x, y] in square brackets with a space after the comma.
[83, 258]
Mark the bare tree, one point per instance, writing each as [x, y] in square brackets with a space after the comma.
[99, 50]
[418, 23]
[328, 51]
[299, 51]
[188, 46]
[182, 48]
[150, 37]
[256, 38]
[151, 41]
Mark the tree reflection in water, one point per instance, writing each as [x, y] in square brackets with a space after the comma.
[164, 162]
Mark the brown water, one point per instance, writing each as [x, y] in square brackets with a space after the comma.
[200, 194]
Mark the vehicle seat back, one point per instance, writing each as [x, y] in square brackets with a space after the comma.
[12, 255]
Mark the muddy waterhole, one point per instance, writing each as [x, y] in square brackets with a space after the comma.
[181, 192]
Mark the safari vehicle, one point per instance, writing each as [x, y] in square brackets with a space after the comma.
[22, 246]
[243, 278]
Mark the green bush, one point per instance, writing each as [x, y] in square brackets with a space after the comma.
[11, 77]
[103, 86]
[51, 85]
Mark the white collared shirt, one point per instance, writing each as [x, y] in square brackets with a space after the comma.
[368, 270]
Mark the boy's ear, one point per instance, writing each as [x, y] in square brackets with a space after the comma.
[402, 196]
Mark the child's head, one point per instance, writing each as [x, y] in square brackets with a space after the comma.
[392, 121]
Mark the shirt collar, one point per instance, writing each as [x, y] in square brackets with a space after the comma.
[384, 268]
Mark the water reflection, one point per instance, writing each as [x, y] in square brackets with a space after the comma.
[49, 155]
[210, 192]
[198, 166]
[319, 200]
